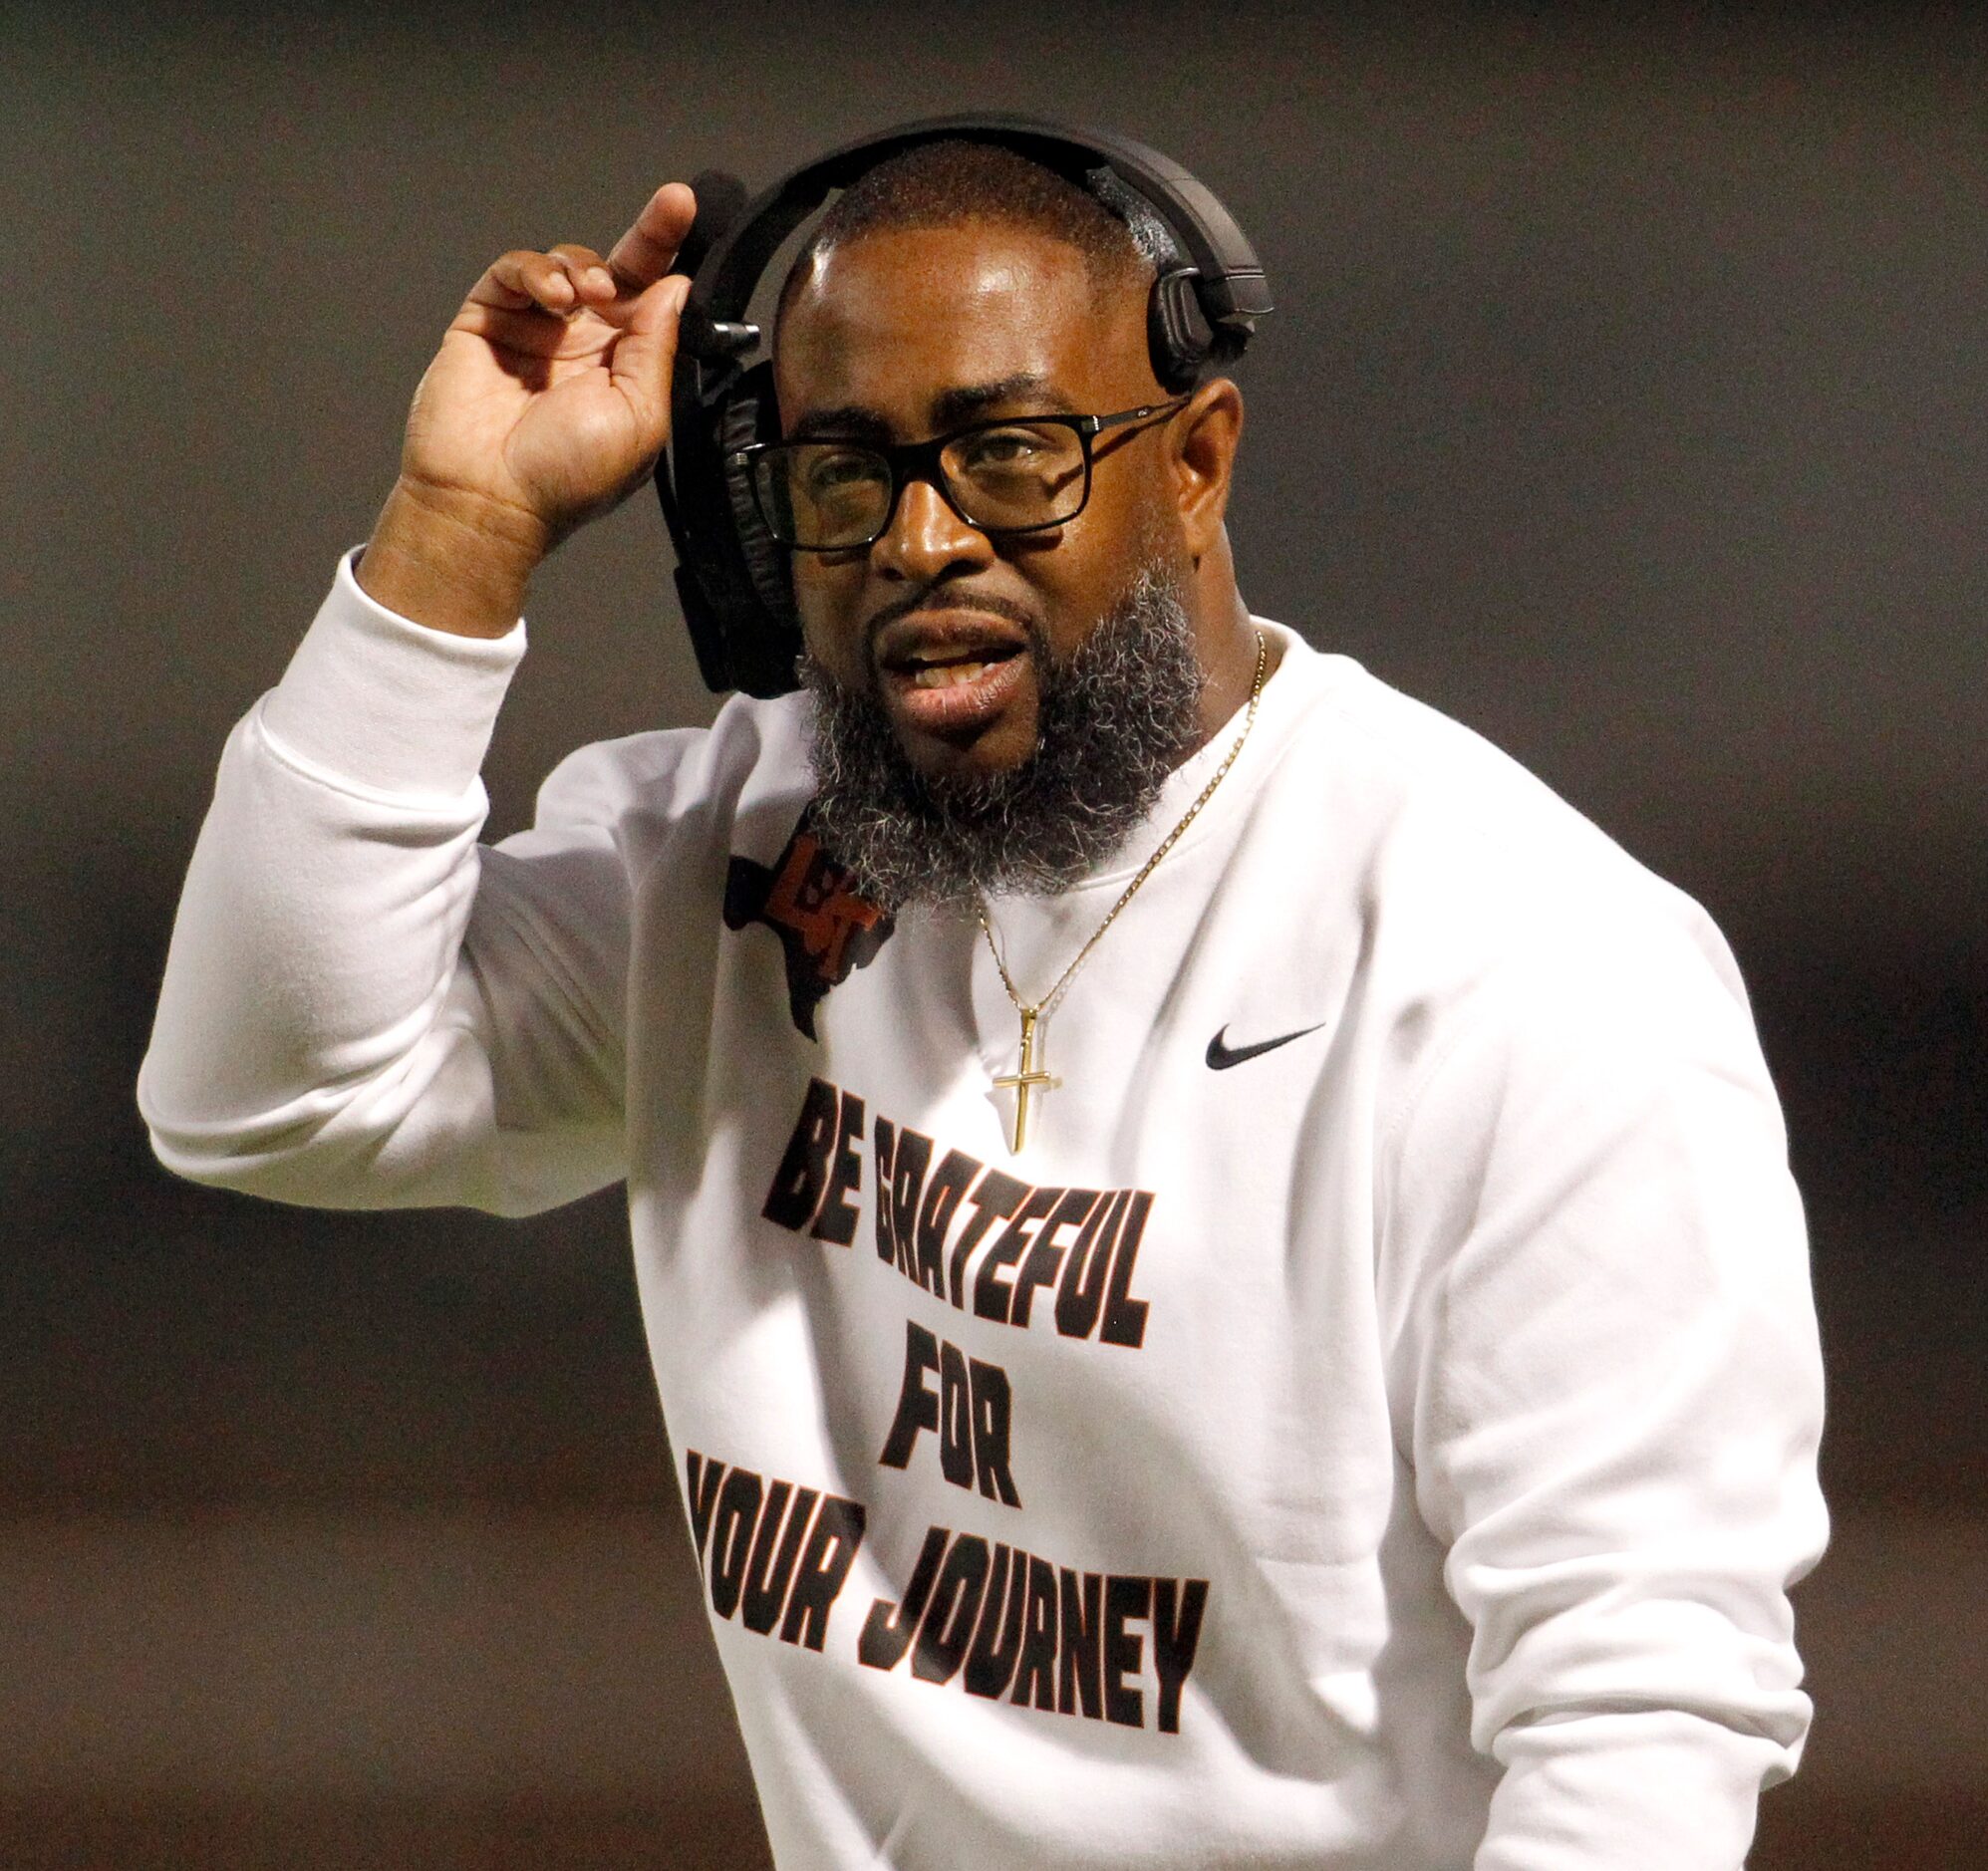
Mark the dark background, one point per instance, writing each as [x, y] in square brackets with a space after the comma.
[1624, 401]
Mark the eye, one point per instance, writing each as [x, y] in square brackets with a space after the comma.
[829, 471]
[1002, 448]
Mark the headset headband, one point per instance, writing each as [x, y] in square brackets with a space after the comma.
[730, 578]
[1232, 286]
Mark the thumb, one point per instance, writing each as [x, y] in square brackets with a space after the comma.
[645, 351]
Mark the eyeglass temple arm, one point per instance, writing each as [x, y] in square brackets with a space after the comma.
[1093, 425]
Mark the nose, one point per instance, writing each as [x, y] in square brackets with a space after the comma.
[926, 539]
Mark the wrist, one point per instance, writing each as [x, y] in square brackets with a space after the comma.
[451, 561]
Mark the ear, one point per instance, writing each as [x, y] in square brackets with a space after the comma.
[1206, 435]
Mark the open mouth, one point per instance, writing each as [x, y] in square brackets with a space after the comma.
[952, 671]
[949, 671]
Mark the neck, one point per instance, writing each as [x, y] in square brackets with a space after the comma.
[1224, 639]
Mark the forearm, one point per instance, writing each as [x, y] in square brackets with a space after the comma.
[1627, 1791]
[1615, 1392]
[452, 562]
[304, 1010]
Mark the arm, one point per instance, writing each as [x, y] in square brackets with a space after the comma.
[360, 1007]
[1609, 1367]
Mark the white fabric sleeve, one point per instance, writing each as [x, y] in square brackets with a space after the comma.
[361, 1009]
[1607, 1353]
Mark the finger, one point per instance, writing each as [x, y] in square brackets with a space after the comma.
[524, 277]
[641, 256]
[531, 333]
[592, 282]
[645, 351]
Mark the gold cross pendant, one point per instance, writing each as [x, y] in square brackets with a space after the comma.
[1025, 1080]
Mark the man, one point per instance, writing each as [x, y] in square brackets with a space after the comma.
[1220, 1263]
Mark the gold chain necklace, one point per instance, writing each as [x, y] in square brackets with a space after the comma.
[1028, 1077]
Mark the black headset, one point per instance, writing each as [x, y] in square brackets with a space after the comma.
[732, 578]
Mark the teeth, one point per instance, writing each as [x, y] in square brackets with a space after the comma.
[947, 674]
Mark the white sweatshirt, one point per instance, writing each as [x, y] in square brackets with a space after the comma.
[1373, 1422]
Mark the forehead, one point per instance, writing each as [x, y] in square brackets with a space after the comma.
[891, 322]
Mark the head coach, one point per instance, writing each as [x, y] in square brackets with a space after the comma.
[1220, 1263]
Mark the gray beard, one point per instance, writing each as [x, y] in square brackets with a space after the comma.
[1112, 722]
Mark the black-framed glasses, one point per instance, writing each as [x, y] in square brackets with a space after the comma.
[1017, 474]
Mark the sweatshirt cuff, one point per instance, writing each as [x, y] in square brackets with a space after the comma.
[387, 702]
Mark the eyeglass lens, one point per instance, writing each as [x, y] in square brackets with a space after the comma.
[824, 494]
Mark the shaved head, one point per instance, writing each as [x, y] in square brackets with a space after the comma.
[940, 184]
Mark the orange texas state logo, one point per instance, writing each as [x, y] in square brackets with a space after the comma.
[824, 926]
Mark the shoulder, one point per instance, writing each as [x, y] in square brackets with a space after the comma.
[1483, 898]
[1410, 782]
[1445, 817]
[639, 785]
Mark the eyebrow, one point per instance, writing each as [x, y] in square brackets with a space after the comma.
[949, 408]
[954, 406]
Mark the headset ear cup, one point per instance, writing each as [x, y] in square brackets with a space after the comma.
[738, 600]
[1177, 330]
[748, 416]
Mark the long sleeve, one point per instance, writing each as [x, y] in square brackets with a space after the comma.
[1609, 1363]
[361, 1006]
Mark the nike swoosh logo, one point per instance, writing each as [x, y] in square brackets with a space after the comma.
[1222, 1055]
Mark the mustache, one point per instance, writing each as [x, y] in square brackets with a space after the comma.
[941, 595]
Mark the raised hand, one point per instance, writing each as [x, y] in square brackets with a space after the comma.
[547, 402]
